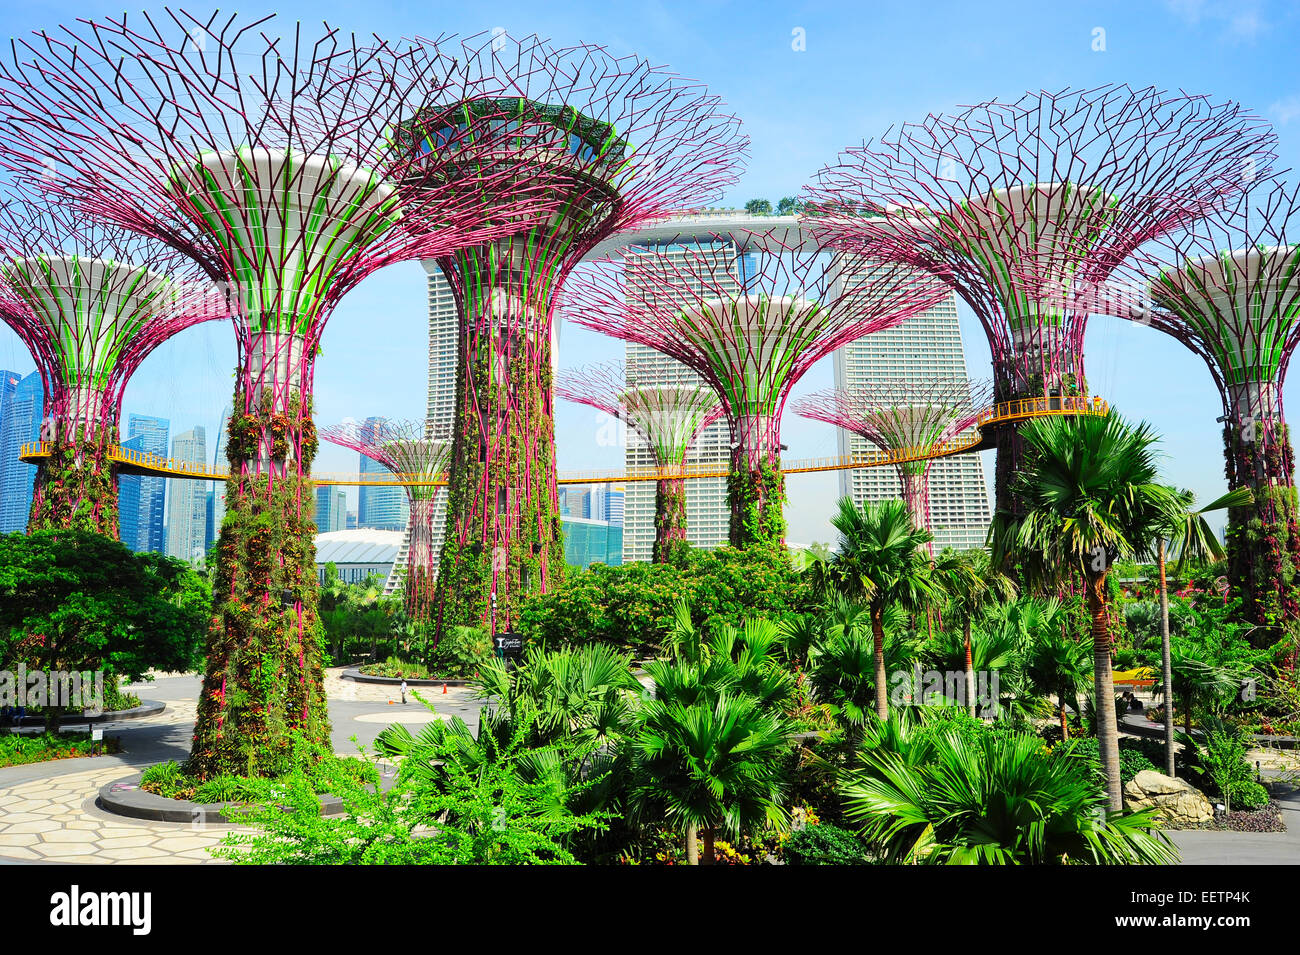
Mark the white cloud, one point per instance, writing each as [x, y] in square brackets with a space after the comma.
[1285, 110]
[1239, 20]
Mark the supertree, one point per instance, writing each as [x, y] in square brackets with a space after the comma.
[418, 458]
[623, 143]
[667, 417]
[1228, 288]
[276, 166]
[1018, 204]
[91, 303]
[749, 312]
[915, 419]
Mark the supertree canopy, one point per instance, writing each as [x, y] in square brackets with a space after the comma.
[272, 163]
[411, 451]
[916, 420]
[1017, 205]
[90, 302]
[1228, 287]
[621, 143]
[749, 313]
[667, 417]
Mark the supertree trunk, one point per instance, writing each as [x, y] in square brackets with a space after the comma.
[670, 518]
[914, 477]
[1047, 369]
[504, 537]
[264, 678]
[76, 486]
[756, 486]
[419, 560]
[1264, 537]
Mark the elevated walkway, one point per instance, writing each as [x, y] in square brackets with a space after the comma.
[979, 438]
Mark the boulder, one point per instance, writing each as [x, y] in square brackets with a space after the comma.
[1177, 803]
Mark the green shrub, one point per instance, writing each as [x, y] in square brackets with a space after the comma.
[17, 749]
[1248, 794]
[1133, 758]
[630, 607]
[461, 652]
[825, 845]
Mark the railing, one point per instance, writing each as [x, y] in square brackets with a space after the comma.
[142, 462]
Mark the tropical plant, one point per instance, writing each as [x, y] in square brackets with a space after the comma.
[974, 586]
[1194, 541]
[79, 601]
[1089, 496]
[1000, 799]
[1058, 664]
[882, 561]
[711, 765]
[442, 810]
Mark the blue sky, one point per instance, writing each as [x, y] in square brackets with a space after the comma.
[864, 66]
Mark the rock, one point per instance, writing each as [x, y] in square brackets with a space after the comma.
[1178, 804]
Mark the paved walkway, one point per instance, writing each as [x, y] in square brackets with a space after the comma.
[48, 812]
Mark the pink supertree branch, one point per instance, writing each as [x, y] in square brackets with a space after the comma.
[749, 313]
[668, 418]
[1013, 204]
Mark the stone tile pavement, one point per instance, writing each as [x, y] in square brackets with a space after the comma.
[48, 812]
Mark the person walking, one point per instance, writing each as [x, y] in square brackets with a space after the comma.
[403, 692]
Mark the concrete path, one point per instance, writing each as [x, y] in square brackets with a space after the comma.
[1199, 847]
[48, 812]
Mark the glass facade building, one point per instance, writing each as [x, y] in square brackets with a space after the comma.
[187, 501]
[140, 498]
[588, 542]
[22, 405]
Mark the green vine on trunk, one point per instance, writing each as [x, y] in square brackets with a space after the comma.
[264, 679]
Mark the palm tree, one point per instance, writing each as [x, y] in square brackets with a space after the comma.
[1089, 495]
[1057, 663]
[881, 560]
[701, 711]
[711, 764]
[939, 798]
[1193, 540]
[974, 585]
[1197, 682]
[583, 694]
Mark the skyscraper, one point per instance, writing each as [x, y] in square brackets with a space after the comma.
[925, 347]
[141, 499]
[218, 506]
[187, 511]
[331, 509]
[708, 516]
[384, 507]
[22, 404]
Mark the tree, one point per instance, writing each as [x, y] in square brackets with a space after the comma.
[758, 207]
[1089, 495]
[788, 206]
[1192, 540]
[712, 764]
[881, 560]
[974, 585]
[704, 756]
[1058, 663]
[78, 601]
[945, 798]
